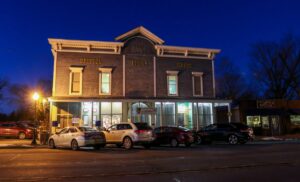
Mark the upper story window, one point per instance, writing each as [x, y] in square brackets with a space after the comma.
[75, 82]
[172, 81]
[105, 81]
[197, 83]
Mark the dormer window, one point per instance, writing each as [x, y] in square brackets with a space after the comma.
[105, 81]
[75, 81]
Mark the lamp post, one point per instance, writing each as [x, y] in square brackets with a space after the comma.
[35, 97]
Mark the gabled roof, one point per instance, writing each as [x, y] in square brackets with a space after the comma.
[140, 30]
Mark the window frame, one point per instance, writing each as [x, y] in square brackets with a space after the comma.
[75, 70]
[101, 71]
[172, 73]
[197, 74]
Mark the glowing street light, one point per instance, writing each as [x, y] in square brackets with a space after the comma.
[35, 97]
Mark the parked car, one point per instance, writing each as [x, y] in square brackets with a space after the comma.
[15, 130]
[173, 135]
[76, 137]
[233, 133]
[129, 134]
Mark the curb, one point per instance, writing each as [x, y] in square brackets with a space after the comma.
[7, 146]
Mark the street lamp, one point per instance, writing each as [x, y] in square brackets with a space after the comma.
[35, 97]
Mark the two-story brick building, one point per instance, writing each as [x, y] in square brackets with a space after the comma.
[135, 78]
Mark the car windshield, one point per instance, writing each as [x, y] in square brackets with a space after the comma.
[86, 129]
[142, 126]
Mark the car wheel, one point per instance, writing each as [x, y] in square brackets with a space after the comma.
[127, 143]
[21, 136]
[52, 144]
[232, 139]
[174, 142]
[74, 145]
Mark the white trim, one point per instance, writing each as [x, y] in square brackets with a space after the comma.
[154, 75]
[75, 70]
[172, 72]
[124, 74]
[105, 70]
[213, 77]
[63, 45]
[101, 71]
[200, 74]
[142, 30]
[186, 52]
[54, 72]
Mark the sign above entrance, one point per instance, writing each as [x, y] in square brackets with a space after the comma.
[146, 110]
[90, 61]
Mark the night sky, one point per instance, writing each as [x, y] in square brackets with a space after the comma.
[231, 26]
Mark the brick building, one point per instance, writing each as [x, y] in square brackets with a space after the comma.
[135, 78]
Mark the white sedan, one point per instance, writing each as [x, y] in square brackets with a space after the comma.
[76, 137]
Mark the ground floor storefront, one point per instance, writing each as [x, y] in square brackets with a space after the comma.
[190, 114]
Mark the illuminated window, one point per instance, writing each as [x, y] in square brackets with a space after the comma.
[75, 86]
[197, 83]
[172, 79]
[105, 81]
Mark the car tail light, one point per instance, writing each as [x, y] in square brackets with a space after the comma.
[140, 131]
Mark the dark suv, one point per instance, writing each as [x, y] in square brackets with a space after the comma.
[12, 129]
[233, 133]
[173, 135]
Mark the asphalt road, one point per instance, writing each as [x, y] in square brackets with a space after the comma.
[219, 162]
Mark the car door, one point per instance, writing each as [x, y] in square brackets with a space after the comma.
[110, 134]
[211, 132]
[222, 131]
[59, 138]
[120, 132]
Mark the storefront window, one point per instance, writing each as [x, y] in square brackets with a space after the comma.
[253, 121]
[265, 122]
[111, 113]
[295, 119]
[205, 114]
[68, 114]
[184, 114]
[168, 114]
[158, 114]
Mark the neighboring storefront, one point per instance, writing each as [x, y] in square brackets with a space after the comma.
[271, 117]
[137, 79]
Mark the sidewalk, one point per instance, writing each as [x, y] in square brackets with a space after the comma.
[288, 137]
[16, 143]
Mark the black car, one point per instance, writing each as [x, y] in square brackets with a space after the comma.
[233, 133]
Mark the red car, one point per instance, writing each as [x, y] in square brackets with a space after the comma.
[173, 135]
[12, 129]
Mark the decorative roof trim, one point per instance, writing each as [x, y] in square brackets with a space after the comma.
[63, 45]
[142, 30]
[186, 52]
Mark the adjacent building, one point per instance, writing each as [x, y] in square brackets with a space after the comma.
[136, 78]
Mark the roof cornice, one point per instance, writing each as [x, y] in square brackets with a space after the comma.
[142, 30]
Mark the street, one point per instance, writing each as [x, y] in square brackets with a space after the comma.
[218, 162]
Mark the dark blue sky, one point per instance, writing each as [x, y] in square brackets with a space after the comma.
[231, 26]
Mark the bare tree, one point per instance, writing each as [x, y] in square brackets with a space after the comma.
[276, 67]
[230, 82]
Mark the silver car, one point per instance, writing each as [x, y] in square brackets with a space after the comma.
[129, 134]
[76, 137]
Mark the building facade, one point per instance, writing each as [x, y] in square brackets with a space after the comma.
[136, 78]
